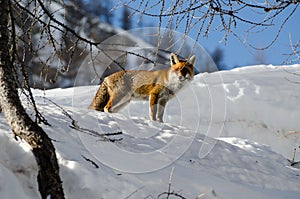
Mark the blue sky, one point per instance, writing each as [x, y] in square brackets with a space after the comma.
[235, 53]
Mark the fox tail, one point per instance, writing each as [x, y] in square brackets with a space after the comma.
[101, 98]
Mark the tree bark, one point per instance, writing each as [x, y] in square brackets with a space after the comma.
[21, 124]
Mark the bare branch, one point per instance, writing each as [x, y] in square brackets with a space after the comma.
[223, 15]
[74, 125]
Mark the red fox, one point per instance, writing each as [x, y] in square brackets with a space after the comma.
[156, 86]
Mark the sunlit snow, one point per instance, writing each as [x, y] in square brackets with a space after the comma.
[227, 137]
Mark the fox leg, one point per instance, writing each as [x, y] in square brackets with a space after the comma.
[118, 106]
[110, 107]
[107, 107]
[153, 98]
[116, 102]
[160, 109]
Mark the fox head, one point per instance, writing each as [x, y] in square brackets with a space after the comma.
[182, 69]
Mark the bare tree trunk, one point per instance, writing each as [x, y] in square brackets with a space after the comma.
[21, 124]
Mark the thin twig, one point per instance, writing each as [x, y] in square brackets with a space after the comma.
[91, 161]
[74, 125]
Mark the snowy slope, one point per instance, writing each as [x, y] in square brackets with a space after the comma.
[227, 135]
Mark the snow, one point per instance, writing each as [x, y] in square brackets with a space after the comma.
[228, 134]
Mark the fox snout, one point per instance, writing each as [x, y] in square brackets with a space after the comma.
[181, 78]
[185, 73]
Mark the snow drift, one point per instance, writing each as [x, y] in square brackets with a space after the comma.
[227, 135]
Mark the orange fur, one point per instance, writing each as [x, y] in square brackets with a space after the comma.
[156, 86]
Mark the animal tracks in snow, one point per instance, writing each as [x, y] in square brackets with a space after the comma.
[239, 88]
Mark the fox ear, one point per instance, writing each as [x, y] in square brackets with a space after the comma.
[174, 59]
[192, 60]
